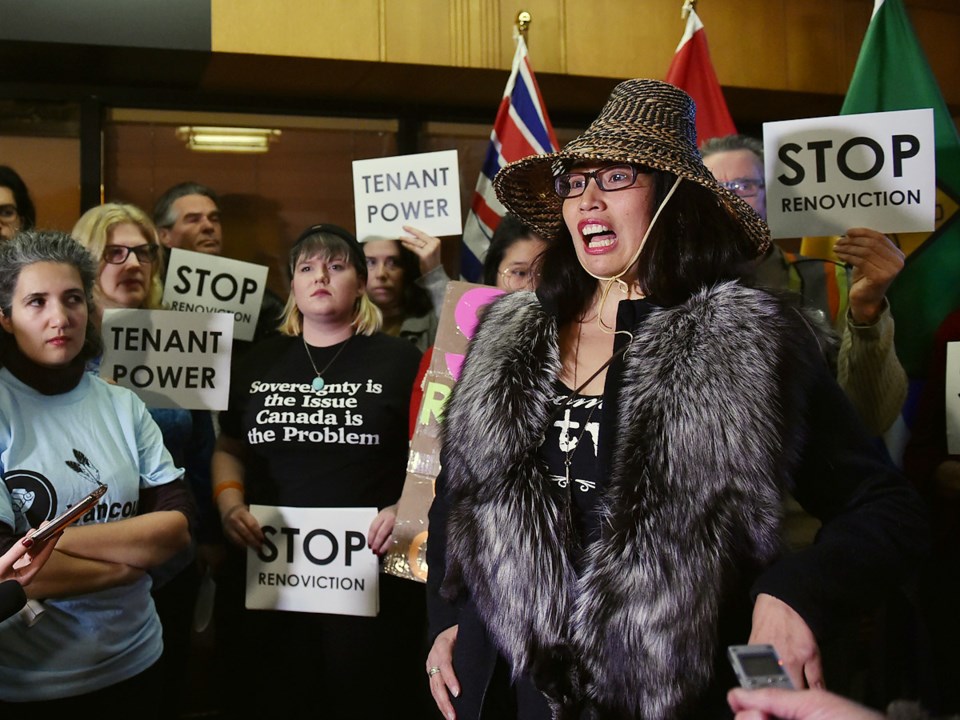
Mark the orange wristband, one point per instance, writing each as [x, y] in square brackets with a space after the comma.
[226, 486]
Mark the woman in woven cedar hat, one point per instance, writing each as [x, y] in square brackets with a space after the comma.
[616, 449]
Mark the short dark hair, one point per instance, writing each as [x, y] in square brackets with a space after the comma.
[34, 246]
[510, 230]
[695, 243]
[730, 143]
[163, 213]
[21, 196]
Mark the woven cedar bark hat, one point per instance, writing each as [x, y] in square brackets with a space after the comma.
[645, 122]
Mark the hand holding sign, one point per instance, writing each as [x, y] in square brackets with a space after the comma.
[876, 262]
[424, 246]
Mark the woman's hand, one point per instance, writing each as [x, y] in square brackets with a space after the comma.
[24, 560]
[776, 623]
[441, 656]
[795, 705]
[426, 247]
[241, 527]
[381, 530]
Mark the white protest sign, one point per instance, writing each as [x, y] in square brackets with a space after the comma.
[169, 359]
[825, 175]
[952, 398]
[199, 282]
[314, 560]
[420, 190]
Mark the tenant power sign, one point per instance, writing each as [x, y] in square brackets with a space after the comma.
[422, 191]
[200, 282]
[169, 359]
[875, 170]
[313, 560]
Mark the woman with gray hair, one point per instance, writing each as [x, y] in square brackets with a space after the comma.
[93, 639]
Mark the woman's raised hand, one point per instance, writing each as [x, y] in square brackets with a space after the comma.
[426, 247]
[776, 623]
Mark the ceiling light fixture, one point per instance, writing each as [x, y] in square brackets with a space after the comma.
[227, 139]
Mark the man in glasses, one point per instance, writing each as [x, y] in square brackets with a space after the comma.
[851, 296]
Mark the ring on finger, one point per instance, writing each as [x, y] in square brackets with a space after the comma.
[432, 671]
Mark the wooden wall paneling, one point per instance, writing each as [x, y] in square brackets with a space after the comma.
[425, 32]
[939, 34]
[50, 168]
[546, 36]
[622, 38]
[747, 42]
[298, 28]
[814, 46]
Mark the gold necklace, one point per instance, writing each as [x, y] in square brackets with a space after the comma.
[318, 382]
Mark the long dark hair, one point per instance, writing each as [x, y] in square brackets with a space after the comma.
[695, 243]
[416, 299]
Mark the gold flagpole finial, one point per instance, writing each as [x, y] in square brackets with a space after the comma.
[688, 5]
[523, 23]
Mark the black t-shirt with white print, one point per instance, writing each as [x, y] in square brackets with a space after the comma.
[345, 446]
[572, 435]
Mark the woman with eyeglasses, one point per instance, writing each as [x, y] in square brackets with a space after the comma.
[123, 240]
[511, 262]
[91, 642]
[615, 451]
[16, 208]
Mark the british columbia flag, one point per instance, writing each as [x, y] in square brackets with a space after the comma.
[522, 128]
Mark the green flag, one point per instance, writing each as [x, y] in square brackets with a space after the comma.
[892, 73]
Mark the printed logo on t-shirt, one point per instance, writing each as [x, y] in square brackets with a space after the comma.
[35, 498]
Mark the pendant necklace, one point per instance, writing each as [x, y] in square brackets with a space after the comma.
[568, 454]
[318, 382]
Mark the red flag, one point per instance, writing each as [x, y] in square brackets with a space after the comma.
[692, 71]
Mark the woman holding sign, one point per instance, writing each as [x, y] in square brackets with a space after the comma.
[406, 280]
[317, 419]
[616, 448]
[123, 241]
[91, 642]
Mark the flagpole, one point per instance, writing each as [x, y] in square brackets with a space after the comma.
[523, 23]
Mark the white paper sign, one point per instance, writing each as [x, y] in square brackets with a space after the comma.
[953, 398]
[169, 359]
[420, 190]
[314, 560]
[825, 175]
[200, 282]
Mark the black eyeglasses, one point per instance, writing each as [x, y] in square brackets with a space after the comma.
[744, 187]
[118, 254]
[608, 179]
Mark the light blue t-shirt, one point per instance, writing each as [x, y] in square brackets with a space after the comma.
[54, 449]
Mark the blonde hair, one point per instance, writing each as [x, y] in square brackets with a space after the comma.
[93, 232]
[367, 318]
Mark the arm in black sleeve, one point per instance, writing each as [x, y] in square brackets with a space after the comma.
[197, 463]
[441, 613]
[875, 529]
[174, 495]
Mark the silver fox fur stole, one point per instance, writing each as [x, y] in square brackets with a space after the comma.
[707, 434]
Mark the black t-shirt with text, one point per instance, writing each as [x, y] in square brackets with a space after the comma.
[344, 446]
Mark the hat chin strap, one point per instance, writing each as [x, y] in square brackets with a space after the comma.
[617, 279]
